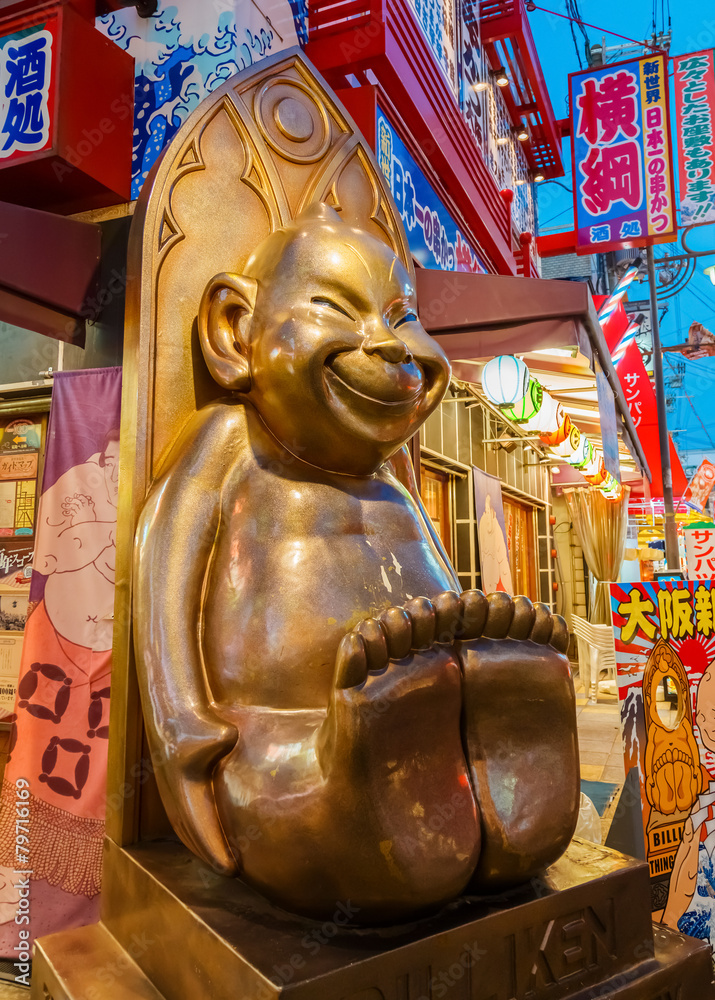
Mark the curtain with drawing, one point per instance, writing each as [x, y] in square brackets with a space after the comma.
[601, 526]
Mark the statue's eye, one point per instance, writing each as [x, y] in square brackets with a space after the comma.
[320, 301]
[407, 318]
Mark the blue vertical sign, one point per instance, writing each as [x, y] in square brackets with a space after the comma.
[433, 236]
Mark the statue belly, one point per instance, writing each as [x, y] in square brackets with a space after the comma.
[274, 621]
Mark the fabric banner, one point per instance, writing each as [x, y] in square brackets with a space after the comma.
[665, 656]
[694, 80]
[700, 486]
[53, 793]
[641, 401]
[491, 529]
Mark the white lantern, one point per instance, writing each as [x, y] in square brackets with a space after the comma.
[547, 419]
[505, 380]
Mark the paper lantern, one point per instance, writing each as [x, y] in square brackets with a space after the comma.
[599, 477]
[561, 432]
[570, 445]
[505, 380]
[528, 406]
[548, 418]
[587, 456]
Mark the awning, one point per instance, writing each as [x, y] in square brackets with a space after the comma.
[48, 271]
[478, 316]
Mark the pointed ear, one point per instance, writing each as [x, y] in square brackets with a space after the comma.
[226, 308]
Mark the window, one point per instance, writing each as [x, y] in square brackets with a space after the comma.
[519, 521]
[435, 489]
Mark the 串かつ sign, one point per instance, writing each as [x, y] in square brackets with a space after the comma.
[433, 236]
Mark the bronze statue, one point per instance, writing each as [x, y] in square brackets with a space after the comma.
[330, 720]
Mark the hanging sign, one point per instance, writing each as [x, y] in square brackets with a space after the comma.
[433, 236]
[694, 80]
[700, 552]
[27, 85]
[699, 487]
[665, 656]
[622, 163]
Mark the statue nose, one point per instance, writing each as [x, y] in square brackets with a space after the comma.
[382, 341]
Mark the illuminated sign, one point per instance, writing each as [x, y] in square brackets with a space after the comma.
[694, 79]
[433, 236]
[27, 60]
[622, 164]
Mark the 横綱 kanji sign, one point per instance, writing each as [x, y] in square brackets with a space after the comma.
[26, 84]
[694, 78]
[623, 182]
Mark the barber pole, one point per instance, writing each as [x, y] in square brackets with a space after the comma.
[617, 295]
[628, 337]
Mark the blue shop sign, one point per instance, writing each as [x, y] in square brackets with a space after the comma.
[433, 235]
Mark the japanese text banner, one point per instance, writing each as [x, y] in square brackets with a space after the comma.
[665, 658]
[694, 80]
[622, 164]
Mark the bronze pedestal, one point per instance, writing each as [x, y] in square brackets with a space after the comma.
[172, 930]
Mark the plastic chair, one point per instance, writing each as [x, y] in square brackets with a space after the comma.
[596, 655]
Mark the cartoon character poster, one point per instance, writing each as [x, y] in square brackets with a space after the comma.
[491, 531]
[665, 654]
[57, 759]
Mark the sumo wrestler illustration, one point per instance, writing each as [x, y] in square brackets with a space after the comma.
[329, 717]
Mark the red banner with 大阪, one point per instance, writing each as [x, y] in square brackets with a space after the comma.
[694, 80]
[624, 193]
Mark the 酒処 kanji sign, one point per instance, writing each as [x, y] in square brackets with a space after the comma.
[622, 164]
[66, 110]
[694, 79]
[27, 78]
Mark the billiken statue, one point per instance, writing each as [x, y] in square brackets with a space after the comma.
[330, 718]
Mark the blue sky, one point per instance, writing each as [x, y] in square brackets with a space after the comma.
[693, 28]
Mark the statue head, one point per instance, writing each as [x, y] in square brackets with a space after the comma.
[320, 334]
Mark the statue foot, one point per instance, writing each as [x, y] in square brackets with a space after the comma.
[521, 738]
[391, 749]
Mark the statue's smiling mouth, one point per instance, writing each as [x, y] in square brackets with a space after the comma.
[397, 386]
[393, 398]
[395, 405]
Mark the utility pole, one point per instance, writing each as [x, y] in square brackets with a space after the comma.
[672, 552]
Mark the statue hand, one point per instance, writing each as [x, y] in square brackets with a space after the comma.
[185, 778]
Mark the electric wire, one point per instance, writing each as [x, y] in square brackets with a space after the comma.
[692, 407]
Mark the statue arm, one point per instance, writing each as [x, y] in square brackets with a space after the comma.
[401, 467]
[173, 546]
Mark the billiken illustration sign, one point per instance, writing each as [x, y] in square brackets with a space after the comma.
[622, 164]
